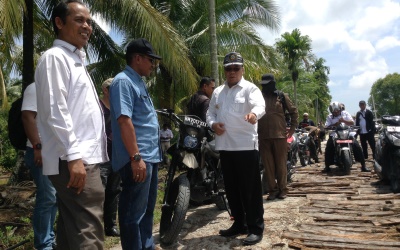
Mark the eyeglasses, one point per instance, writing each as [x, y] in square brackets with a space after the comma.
[229, 69]
[151, 60]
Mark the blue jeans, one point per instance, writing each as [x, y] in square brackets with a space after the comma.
[45, 209]
[136, 208]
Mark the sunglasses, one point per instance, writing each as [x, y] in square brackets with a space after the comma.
[151, 60]
[229, 69]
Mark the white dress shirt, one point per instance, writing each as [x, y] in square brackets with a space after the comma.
[230, 106]
[69, 119]
[330, 120]
[29, 103]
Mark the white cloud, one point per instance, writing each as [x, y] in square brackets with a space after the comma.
[102, 23]
[387, 43]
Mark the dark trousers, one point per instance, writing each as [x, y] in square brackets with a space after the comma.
[112, 183]
[79, 223]
[243, 188]
[274, 158]
[364, 138]
[330, 153]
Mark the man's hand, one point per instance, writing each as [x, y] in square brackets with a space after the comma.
[77, 174]
[219, 128]
[251, 118]
[37, 158]
[138, 171]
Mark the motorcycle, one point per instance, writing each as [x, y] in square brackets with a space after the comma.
[200, 175]
[343, 140]
[387, 152]
[304, 143]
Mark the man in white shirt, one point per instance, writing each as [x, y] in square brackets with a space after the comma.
[337, 116]
[71, 125]
[45, 210]
[233, 112]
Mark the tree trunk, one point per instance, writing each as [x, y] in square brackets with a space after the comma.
[213, 41]
[28, 66]
[3, 94]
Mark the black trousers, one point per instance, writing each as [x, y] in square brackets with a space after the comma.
[242, 180]
[364, 138]
[330, 153]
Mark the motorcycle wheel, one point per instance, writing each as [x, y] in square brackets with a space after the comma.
[304, 159]
[394, 174]
[347, 161]
[173, 216]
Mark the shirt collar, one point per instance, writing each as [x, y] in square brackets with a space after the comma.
[133, 73]
[72, 48]
[240, 83]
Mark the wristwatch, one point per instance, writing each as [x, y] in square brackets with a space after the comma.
[137, 157]
[37, 146]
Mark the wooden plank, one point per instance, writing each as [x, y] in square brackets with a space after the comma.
[329, 245]
[375, 197]
[333, 217]
[386, 222]
[307, 236]
[344, 227]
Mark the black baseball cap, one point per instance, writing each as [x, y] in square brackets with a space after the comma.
[141, 46]
[362, 102]
[267, 78]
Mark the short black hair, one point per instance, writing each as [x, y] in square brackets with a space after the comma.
[206, 80]
[62, 11]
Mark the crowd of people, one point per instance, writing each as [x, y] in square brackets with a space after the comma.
[92, 157]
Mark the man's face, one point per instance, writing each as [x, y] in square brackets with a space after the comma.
[336, 112]
[305, 117]
[209, 88]
[362, 106]
[77, 27]
[233, 74]
[145, 64]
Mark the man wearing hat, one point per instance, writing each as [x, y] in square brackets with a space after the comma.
[365, 119]
[306, 122]
[136, 149]
[272, 136]
[233, 112]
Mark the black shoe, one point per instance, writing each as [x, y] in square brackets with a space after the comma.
[317, 160]
[326, 170]
[310, 162]
[365, 169]
[112, 231]
[233, 231]
[252, 239]
[282, 196]
[272, 196]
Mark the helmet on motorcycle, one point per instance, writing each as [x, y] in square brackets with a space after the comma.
[334, 106]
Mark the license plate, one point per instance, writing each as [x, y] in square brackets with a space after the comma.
[393, 129]
[344, 141]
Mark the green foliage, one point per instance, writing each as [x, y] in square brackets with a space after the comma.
[7, 152]
[10, 236]
[385, 92]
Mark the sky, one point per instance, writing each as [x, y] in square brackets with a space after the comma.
[359, 39]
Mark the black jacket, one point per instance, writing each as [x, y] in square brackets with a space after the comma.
[198, 105]
[369, 118]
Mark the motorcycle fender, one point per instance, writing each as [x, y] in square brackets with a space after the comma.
[344, 148]
[190, 160]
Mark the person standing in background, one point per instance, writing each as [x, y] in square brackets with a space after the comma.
[234, 109]
[199, 102]
[111, 180]
[136, 145]
[44, 213]
[365, 119]
[273, 136]
[71, 126]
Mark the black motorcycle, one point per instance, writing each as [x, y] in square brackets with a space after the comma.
[343, 140]
[387, 152]
[304, 146]
[293, 149]
[199, 176]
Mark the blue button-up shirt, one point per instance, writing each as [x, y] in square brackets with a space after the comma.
[129, 97]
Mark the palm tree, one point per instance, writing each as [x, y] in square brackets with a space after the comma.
[214, 42]
[320, 74]
[296, 52]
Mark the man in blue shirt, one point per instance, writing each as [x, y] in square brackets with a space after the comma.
[136, 148]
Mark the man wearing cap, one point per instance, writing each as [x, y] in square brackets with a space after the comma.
[365, 119]
[306, 122]
[111, 179]
[233, 112]
[136, 149]
[272, 136]
[199, 102]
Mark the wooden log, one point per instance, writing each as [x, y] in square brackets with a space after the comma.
[386, 222]
[307, 236]
[333, 217]
[329, 245]
[344, 227]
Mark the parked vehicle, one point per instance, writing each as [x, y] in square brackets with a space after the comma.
[303, 146]
[199, 178]
[378, 126]
[343, 140]
[387, 152]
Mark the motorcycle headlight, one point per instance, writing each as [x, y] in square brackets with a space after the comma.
[190, 142]
[343, 134]
[191, 131]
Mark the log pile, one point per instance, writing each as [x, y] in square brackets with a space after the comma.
[348, 212]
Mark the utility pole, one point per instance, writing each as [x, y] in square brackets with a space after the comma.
[373, 104]
[213, 41]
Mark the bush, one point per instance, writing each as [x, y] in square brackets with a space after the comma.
[8, 155]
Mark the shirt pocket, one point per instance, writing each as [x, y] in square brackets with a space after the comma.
[239, 104]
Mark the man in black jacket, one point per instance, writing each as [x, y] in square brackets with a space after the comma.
[365, 119]
[198, 103]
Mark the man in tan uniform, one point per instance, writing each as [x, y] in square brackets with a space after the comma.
[272, 136]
